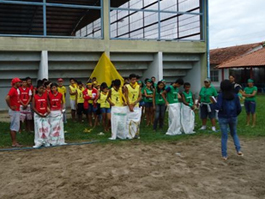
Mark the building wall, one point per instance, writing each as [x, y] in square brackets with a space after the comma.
[65, 58]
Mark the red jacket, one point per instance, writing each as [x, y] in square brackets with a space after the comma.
[88, 99]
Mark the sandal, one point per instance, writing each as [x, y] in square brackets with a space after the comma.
[16, 145]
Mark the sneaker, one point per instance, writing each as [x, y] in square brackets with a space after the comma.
[203, 128]
[213, 129]
[224, 158]
[47, 145]
[37, 146]
[239, 153]
[111, 138]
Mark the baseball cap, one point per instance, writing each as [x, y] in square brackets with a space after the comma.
[207, 80]
[250, 81]
[60, 80]
[15, 80]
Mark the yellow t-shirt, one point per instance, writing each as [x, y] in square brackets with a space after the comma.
[73, 89]
[103, 100]
[80, 97]
[62, 90]
[133, 94]
[116, 97]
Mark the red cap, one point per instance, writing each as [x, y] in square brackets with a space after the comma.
[15, 80]
[60, 80]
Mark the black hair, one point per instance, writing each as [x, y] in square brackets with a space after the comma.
[39, 83]
[89, 82]
[153, 77]
[79, 82]
[72, 79]
[186, 84]
[117, 83]
[232, 75]
[103, 85]
[132, 76]
[158, 90]
[145, 80]
[46, 83]
[54, 84]
[27, 78]
[179, 81]
[23, 80]
[227, 89]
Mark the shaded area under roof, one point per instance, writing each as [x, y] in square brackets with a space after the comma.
[254, 59]
[221, 55]
[61, 21]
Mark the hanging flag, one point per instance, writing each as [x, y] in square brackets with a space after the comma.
[105, 71]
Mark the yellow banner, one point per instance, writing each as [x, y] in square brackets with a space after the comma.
[105, 71]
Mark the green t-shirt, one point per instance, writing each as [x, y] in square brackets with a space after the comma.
[172, 94]
[207, 93]
[250, 90]
[158, 97]
[188, 98]
[148, 92]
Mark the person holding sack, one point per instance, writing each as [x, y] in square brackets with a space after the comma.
[56, 116]
[118, 111]
[41, 107]
[171, 96]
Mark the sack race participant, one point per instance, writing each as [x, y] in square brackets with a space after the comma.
[133, 96]
[104, 106]
[80, 102]
[207, 100]
[171, 96]
[229, 108]
[61, 89]
[90, 95]
[148, 102]
[25, 95]
[250, 93]
[187, 110]
[159, 105]
[56, 116]
[41, 121]
[72, 92]
[118, 111]
[12, 100]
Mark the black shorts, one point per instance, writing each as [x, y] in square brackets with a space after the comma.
[80, 109]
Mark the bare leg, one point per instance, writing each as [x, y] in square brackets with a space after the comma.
[213, 121]
[73, 114]
[204, 121]
[248, 118]
[253, 119]
[13, 138]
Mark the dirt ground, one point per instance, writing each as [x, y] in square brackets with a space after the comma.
[134, 170]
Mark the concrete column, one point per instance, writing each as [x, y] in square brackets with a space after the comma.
[194, 78]
[155, 68]
[43, 68]
[106, 5]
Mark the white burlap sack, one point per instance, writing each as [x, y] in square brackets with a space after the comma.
[174, 125]
[187, 119]
[118, 122]
[133, 122]
[42, 130]
[57, 128]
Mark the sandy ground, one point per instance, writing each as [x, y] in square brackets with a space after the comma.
[134, 170]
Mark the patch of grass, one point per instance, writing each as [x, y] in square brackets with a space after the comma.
[75, 131]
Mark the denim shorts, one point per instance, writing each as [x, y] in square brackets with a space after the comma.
[92, 108]
[250, 106]
[148, 104]
[141, 103]
[204, 112]
[105, 110]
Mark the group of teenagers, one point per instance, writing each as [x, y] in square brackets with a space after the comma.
[120, 107]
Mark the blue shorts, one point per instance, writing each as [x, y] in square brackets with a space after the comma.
[250, 106]
[105, 110]
[91, 108]
[141, 103]
[148, 104]
[204, 112]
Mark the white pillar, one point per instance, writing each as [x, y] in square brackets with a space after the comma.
[155, 68]
[43, 68]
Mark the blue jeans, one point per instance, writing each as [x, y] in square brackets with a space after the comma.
[232, 123]
[159, 115]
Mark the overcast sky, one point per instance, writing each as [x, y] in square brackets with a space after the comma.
[236, 22]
